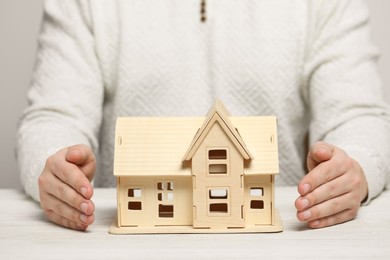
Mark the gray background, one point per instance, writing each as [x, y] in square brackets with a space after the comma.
[19, 25]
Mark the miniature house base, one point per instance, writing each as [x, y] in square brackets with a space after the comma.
[196, 174]
[116, 230]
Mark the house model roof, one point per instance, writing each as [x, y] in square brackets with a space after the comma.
[163, 146]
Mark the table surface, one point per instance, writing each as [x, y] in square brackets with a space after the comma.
[26, 234]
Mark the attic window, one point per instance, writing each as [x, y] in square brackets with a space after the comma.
[219, 154]
[218, 169]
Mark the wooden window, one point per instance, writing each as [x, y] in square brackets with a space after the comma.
[218, 200]
[217, 160]
[218, 208]
[256, 198]
[165, 195]
[134, 193]
[218, 169]
[217, 154]
[169, 196]
[134, 198]
[218, 194]
[257, 204]
[165, 211]
[135, 205]
[257, 192]
[169, 185]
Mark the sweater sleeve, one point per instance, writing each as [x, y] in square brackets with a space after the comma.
[66, 93]
[343, 87]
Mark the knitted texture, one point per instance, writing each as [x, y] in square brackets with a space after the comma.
[310, 63]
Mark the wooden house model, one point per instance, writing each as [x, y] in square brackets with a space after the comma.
[212, 174]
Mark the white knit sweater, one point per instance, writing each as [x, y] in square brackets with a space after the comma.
[310, 63]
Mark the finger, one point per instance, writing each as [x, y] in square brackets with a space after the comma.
[63, 210]
[335, 219]
[63, 214]
[82, 156]
[64, 222]
[50, 184]
[319, 153]
[325, 172]
[68, 195]
[329, 190]
[72, 176]
[329, 208]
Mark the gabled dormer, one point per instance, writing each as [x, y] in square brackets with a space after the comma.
[217, 154]
[220, 116]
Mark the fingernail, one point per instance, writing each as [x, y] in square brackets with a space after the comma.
[305, 203]
[84, 207]
[84, 191]
[80, 225]
[76, 152]
[306, 214]
[306, 188]
[83, 218]
[322, 150]
[315, 223]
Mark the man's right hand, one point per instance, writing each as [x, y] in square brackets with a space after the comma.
[64, 187]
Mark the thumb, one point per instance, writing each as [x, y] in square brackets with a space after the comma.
[318, 153]
[82, 156]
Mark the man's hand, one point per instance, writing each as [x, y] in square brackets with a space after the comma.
[64, 187]
[332, 191]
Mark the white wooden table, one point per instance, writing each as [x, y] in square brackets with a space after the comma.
[26, 234]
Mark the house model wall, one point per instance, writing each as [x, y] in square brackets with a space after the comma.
[196, 174]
